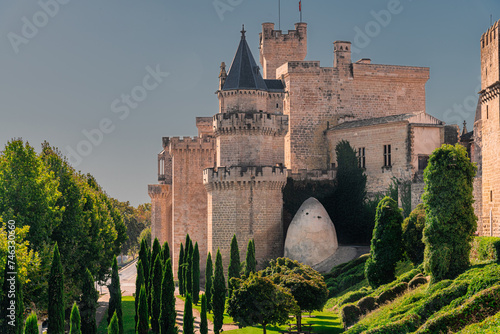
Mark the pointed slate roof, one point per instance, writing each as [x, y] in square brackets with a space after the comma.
[244, 72]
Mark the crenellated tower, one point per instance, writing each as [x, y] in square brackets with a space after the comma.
[490, 131]
[245, 188]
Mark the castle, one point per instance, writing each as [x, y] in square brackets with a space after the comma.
[284, 123]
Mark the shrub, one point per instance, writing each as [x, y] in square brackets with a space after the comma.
[417, 281]
[392, 293]
[346, 275]
[367, 304]
[350, 315]
[450, 219]
[441, 298]
[353, 296]
[482, 305]
[485, 249]
[408, 324]
[385, 249]
[413, 227]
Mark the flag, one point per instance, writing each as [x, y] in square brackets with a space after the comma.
[300, 5]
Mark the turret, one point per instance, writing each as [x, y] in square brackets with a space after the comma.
[342, 53]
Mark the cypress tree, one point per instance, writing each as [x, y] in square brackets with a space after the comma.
[139, 281]
[88, 305]
[155, 251]
[144, 257]
[188, 321]
[75, 321]
[203, 315]
[31, 326]
[143, 322]
[188, 270]
[250, 263]
[196, 274]
[218, 294]
[386, 245]
[114, 327]
[234, 264]
[115, 297]
[56, 295]
[167, 313]
[209, 270]
[156, 293]
[165, 251]
[180, 271]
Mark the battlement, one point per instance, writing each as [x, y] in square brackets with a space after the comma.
[268, 32]
[313, 175]
[243, 177]
[250, 122]
[490, 34]
[159, 190]
[190, 143]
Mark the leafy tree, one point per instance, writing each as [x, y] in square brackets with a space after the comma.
[449, 216]
[250, 262]
[257, 300]
[188, 320]
[386, 245]
[143, 323]
[146, 236]
[156, 293]
[413, 228]
[11, 323]
[88, 305]
[165, 251]
[203, 315]
[115, 297]
[139, 281]
[196, 274]
[218, 294]
[180, 271]
[209, 269]
[307, 286]
[167, 313]
[114, 327]
[234, 264]
[75, 321]
[56, 295]
[135, 220]
[31, 326]
[349, 195]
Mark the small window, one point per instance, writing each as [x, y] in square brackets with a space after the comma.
[277, 105]
[387, 156]
[491, 195]
[361, 157]
[487, 112]
[422, 162]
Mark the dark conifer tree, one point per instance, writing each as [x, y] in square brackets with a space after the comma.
[203, 315]
[180, 271]
[188, 322]
[156, 293]
[250, 263]
[167, 313]
[234, 264]
[56, 295]
[143, 323]
[75, 321]
[188, 270]
[155, 251]
[218, 294]
[115, 297]
[209, 272]
[88, 305]
[196, 274]
[165, 251]
[139, 282]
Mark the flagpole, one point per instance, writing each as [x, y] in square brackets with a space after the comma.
[279, 14]
[300, 10]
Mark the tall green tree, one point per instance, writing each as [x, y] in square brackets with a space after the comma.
[88, 305]
[114, 327]
[155, 251]
[234, 264]
[349, 196]
[75, 321]
[188, 320]
[413, 228]
[257, 300]
[306, 285]
[144, 255]
[31, 326]
[165, 251]
[56, 295]
[167, 313]
[218, 294]
[250, 262]
[449, 216]
[180, 271]
[143, 322]
[203, 315]
[209, 271]
[188, 269]
[156, 293]
[115, 296]
[386, 245]
[139, 282]
[196, 274]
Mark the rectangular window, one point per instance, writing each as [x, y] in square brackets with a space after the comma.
[422, 162]
[361, 157]
[387, 156]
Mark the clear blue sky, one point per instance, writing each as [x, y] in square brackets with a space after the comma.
[67, 71]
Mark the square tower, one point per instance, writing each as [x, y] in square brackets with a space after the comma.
[490, 118]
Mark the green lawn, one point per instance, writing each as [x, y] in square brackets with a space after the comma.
[210, 316]
[128, 307]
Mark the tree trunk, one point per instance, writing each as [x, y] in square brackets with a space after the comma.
[264, 327]
[299, 322]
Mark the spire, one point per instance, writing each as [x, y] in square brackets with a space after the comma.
[243, 31]
[464, 130]
[244, 72]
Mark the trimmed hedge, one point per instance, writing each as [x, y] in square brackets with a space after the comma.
[346, 275]
[485, 249]
[477, 308]
[350, 315]
[408, 324]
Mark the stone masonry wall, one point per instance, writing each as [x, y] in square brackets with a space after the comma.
[161, 212]
[190, 156]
